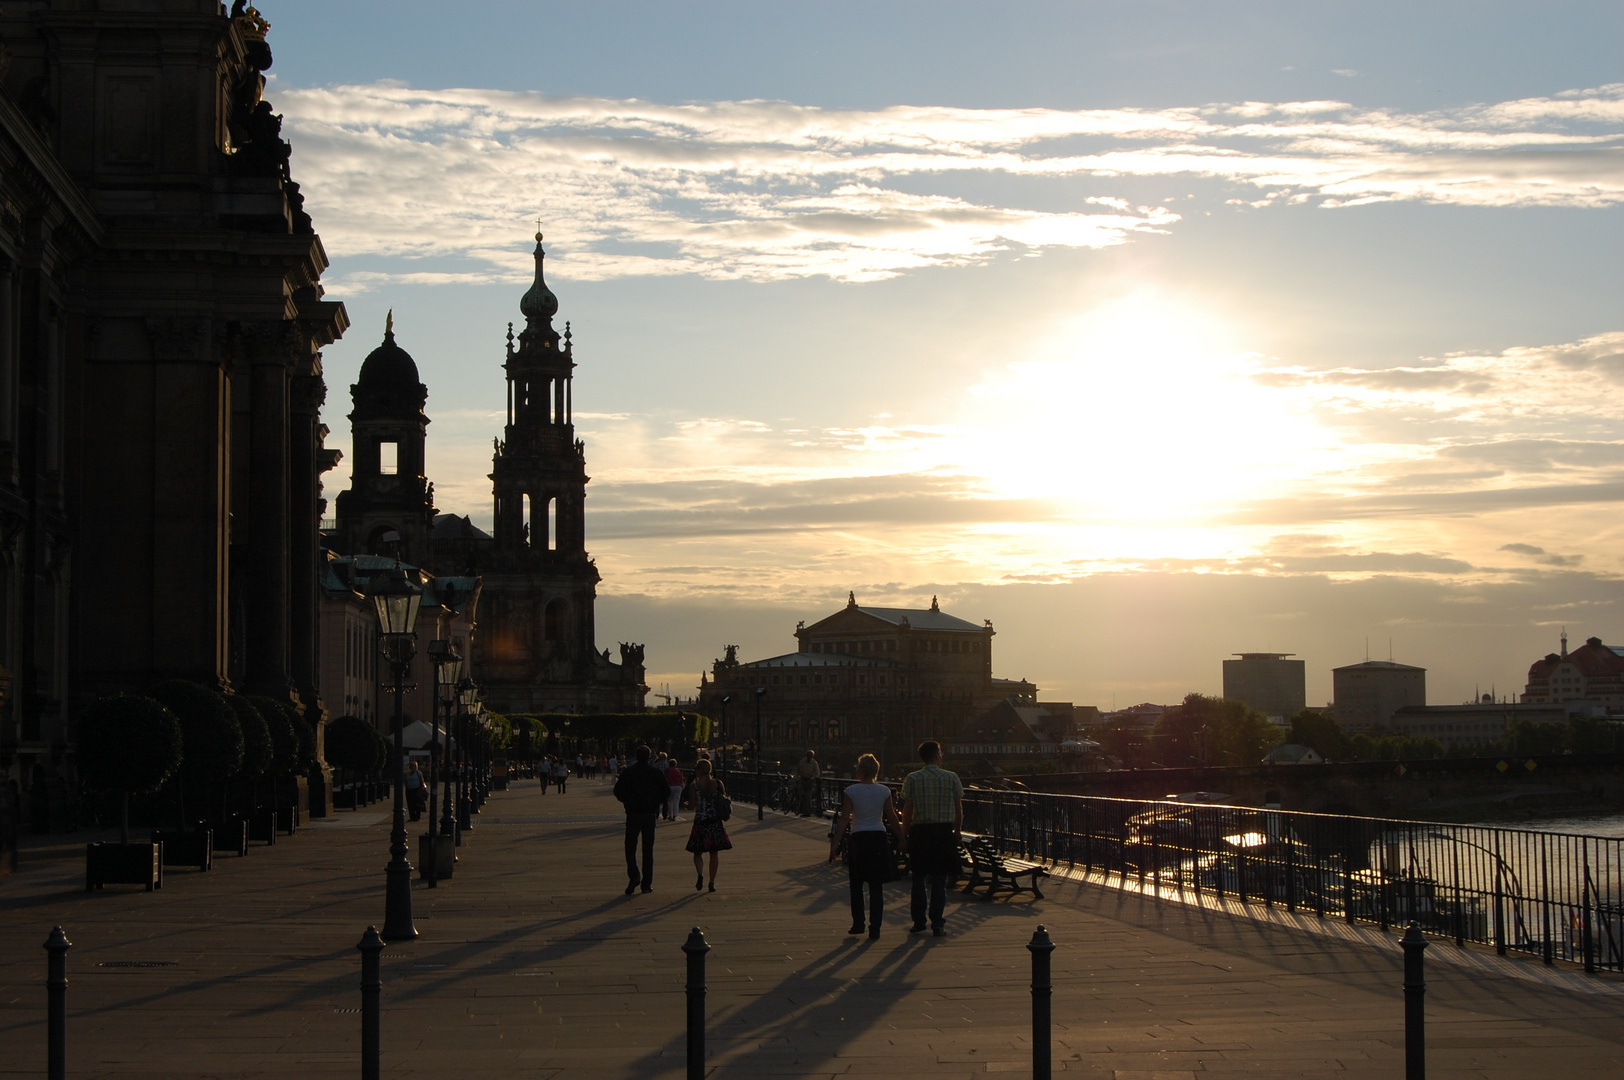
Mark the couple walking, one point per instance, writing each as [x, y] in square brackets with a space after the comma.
[929, 829]
[643, 790]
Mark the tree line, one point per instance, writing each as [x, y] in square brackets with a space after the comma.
[1211, 731]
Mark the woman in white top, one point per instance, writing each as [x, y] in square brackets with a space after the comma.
[866, 812]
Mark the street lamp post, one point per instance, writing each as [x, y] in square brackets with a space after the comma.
[761, 692]
[448, 816]
[447, 670]
[482, 757]
[469, 696]
[725, 699]
[396, 601]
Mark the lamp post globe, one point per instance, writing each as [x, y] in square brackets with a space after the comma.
[396, 599]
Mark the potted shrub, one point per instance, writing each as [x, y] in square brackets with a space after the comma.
[212, 745]
[257, 752]
[351, 749]
[307, 763]
[128, 745]
[285, 760]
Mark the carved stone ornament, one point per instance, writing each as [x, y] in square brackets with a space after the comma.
[306, 393]
[176, 338]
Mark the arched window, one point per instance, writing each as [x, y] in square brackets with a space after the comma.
[552, 524]
[383, 540]
[555, 620]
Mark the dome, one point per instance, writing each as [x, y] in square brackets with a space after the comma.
[539, 304]
[389, 367]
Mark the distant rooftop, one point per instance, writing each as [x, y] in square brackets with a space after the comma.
[820, 660]
[931, 618]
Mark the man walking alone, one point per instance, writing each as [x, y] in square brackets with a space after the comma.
[641, 790]
[933, 825]
[809, 774]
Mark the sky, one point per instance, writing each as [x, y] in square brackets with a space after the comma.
[1152, 332]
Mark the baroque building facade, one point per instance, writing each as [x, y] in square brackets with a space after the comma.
[538, 636]
[161, 325]
[863, 679]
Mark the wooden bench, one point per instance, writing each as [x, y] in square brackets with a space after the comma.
[989, 868]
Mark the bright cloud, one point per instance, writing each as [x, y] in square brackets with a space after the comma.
[770, 190]
[1208, 461]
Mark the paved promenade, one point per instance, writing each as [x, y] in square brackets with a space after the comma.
[531, 963]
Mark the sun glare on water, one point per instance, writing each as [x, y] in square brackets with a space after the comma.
[1139, 411]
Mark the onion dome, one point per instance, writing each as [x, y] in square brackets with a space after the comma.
[389, 367]
[539, 304]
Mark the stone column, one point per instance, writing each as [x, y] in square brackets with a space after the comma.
[268, 524]
[306, 394]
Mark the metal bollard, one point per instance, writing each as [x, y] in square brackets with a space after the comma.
[1415, 991]
[371, 991]
[1042, 992]
[56, 996]
[696, 947]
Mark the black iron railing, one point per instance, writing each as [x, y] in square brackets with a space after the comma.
[1558, 896]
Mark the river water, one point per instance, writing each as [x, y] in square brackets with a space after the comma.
[1605, 824]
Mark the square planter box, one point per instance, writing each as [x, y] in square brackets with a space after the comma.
[447, 850]
[262, 826]
[186, 849]
[231, 835]
[124, 864]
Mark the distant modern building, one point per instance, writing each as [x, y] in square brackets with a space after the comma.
[1271, 683]
[1591, 674]
[1367, 695]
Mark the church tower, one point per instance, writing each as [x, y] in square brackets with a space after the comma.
[539, 647]
[389, 508]
[539, 469]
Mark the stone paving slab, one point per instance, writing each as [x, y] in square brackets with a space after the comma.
[530, 962]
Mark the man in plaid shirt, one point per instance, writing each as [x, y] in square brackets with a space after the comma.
[933, 827]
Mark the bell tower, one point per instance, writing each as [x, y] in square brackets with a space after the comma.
[539, 467]
[389, 508]
[540, 588]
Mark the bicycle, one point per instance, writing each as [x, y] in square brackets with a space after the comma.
[785, 798]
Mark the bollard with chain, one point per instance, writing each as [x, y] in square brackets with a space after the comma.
[1415, 991]
[1042, 992]
[371, 991]
[56, 995]
[696, 947]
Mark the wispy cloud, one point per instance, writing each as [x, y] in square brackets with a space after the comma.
[766, 190]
